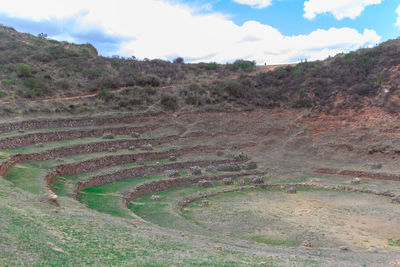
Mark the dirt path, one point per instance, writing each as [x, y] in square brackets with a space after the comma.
[259, 69]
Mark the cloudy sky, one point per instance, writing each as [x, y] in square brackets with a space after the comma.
[271, 31]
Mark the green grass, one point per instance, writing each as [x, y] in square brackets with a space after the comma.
[27, 177]
[32, 236]
[165, 212]
[107, 198]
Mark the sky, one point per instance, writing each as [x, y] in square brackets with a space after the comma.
[265, 31]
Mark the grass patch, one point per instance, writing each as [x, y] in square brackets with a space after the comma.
[107, 198]
[27, 177]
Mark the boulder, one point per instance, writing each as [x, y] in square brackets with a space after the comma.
[140, 161]
[241, 182]
[257, 180]
[291, 190]
[229, 167]
[171, 173]
[112, 149]
[356, 181]
[220, 153]
[204, 184]
[108, 136]
[135, 135]
[396, 200]
[344, 248]
[241, 156]
[155, 198]
[172, 158]
[195, 170]
[211, 168]
[204, 203]
[227, 181]
[387, 194]
[306, 244]
[146, 147]
[131, 148]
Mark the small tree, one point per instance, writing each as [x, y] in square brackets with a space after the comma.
[24, 70]
[179, 60]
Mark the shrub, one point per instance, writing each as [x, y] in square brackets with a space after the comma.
[178, 60]
[191, 99]
[245, 65]
[364, 89]
[93, 73]
[151, 80]
[234, 88]
[169, 101]
[105, 94]
[33, 83]
[2, 94]
[63, 84]
[24, 70]
[211, 66]
[36, 92]
[122, 103]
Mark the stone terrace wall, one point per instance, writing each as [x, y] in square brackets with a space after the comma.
[82, 149]
[34, 138]
[65, 123]
[162, 185]
[371, 175]
[186, 201]
[131, 173]
[111, 160]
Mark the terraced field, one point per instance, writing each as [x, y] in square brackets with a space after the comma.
[194, 189]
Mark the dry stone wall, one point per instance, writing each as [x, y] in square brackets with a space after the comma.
[111, 160]
[68, 123]
[162, 185]
[34, 138]
[79, 149]
[371, 175]
[186, 201]
[136, 172]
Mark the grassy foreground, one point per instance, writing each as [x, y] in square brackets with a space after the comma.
[32, 235]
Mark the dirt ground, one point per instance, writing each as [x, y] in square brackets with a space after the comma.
[327, 219]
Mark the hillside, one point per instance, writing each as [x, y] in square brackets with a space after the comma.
[37, 68]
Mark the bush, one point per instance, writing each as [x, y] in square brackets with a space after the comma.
[33, 83]
[245, 65]
[211, 66]
[105, 94]
[234, 88]
[178, 60]
[2, 94]
[24, 70]
[169, 101]
[63, 84]
[150, 80]
[122, 103]
[93, 73]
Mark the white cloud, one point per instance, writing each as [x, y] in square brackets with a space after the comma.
[159, 29]
[398, 18]
[255, 3]
[339, 8]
